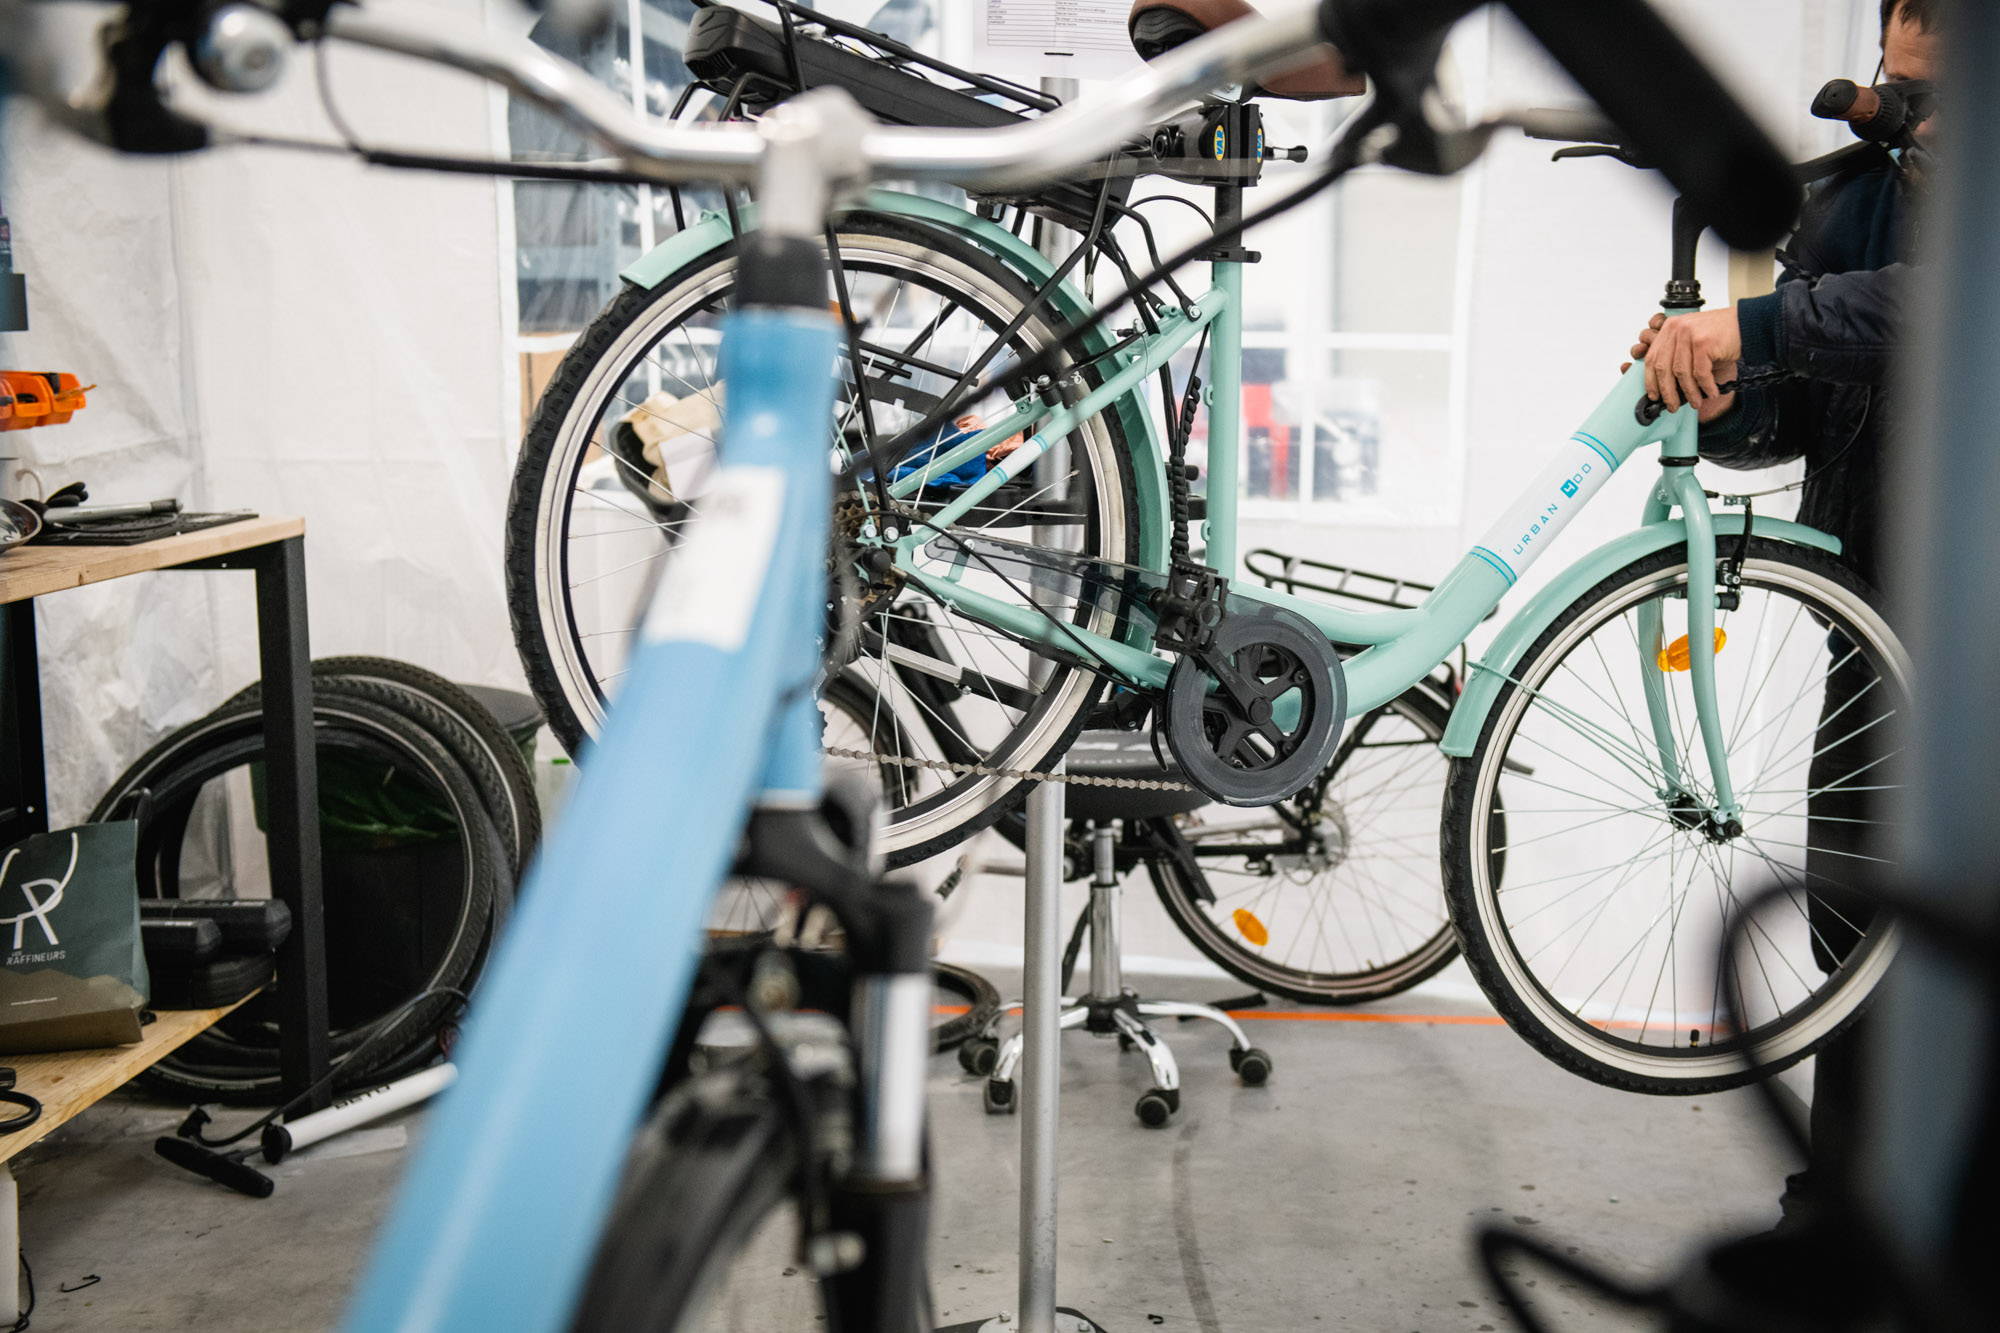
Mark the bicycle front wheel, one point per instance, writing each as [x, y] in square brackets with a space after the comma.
[622, 445]
[704, 1220]
[1331, 897]
[1603, 948]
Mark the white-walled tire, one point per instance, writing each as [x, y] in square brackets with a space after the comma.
[1611, 969]
[569, 648]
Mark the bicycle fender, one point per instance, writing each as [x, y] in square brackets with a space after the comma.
[712, 231]
[1493, 667]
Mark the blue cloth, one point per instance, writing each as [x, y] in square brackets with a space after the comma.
[971, 470]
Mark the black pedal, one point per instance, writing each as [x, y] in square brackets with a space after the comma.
[1190, 608]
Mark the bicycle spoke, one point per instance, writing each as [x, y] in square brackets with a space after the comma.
[1599, 899]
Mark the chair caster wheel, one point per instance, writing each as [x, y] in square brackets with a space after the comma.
[978, 1055]
[1124, 1042]
[1158, 1106]
[1253, 1066]
[999, 1096]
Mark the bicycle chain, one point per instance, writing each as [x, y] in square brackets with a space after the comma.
[1018, 774]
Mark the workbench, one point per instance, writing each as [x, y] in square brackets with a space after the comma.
[273, 549]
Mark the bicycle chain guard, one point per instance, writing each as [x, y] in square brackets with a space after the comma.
[1253, 717]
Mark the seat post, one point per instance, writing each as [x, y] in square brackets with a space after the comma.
[1107, 980]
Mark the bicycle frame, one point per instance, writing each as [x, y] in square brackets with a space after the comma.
[1397, 648]
[498, 1220]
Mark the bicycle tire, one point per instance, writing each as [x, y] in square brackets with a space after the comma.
[709, 1176]
[548, 636]
[1503, 957]
[1404, 961]
[236, 1061]
[487, 753]
[982, 1001]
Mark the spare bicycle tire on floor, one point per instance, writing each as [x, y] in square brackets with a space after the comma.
[427, 812]
[982, 1002]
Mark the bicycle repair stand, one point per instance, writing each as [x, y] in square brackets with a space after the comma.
[1041, 1077]
[1041, 996]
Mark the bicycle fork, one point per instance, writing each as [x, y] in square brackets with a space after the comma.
[868, 1246]
[1679, 488]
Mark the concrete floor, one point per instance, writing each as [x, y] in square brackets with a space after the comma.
[1339, 1196]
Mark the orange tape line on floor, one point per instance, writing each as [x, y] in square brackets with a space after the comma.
[1293, 1016]
[1299, 1016]
[1320, 1016]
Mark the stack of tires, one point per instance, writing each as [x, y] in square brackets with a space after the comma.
[427, 818]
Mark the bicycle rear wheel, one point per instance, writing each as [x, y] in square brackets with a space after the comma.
[1602, 948]
[620, 449]
[1333, 896]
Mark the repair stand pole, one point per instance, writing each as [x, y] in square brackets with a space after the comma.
[1041, 981]
[1041, 1064]
[1040, 1072]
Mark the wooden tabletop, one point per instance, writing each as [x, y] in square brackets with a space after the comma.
[68, 1083]
[36, 570]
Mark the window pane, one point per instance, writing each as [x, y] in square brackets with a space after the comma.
[1393, 261]
[1271, 417]
[1382, 430]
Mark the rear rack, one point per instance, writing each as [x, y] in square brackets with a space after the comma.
[1296, 574]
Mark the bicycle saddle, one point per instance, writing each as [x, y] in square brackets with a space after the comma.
[1158, 26]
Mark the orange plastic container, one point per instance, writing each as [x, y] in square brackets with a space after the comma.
[68, 397]
[31, 398]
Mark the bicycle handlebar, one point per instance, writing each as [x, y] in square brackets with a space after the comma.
[1619, 50]
[1033, 152]
[1884, 114]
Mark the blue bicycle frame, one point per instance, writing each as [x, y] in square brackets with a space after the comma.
[498, 1219]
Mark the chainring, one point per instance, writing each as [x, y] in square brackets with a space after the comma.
[1227, 716]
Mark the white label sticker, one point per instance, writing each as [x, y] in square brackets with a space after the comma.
[1542, 511]
[1026, 39]
[713, 579]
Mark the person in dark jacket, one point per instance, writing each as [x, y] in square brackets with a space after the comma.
[1836, 323]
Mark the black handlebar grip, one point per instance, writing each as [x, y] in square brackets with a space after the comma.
[1674, 112]
[1836, 99]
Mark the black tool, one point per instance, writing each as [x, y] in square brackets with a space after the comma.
[31, 1110]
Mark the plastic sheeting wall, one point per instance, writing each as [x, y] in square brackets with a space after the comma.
[287, 332]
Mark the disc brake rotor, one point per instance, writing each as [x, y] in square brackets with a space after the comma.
[1257, 715]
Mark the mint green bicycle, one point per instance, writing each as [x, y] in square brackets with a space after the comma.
[1704, 704]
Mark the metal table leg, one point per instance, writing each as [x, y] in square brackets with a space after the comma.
[292, 835]
[24, 797]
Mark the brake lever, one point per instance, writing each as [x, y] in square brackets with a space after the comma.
[134, 116]
[1616, 151]
[234, 47]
